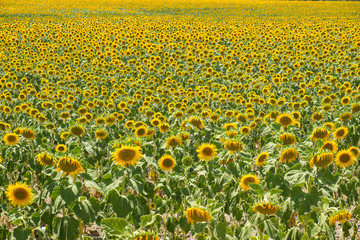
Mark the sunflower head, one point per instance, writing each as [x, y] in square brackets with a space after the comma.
[164, 127]
[60, 148]
[187, 160]
[340, 133]
[196, 122]
[340, 216]
[288, 155]
[261, 159]
[206, 151]
[345, 158]
[45, 159]
[197, 215]
[265, 208]
[152, 206]
[287, 139]
[69, 166]
[233, 145]
[355, 151]
[140, 131]
[173, 142]
[100, 134]
[322, 160]
[319, 133]
[11, 139]
[127, 155]
[77, 130]
[184, 136]
[19, 194]
[146, 236]
[27, 133]
[330, 145]
[166, 162]
[249, 178]
[285, 120]
[245, 130]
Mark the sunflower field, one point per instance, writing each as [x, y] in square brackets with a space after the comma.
[149, 120]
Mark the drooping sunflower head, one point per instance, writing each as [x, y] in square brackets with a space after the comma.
[184, 136]
[288, 155]
[19, 194]
[317, 116]
[69, 166]
[127, 155]
[340, 133]
[285, 120]
[345, 116]
[319, 133]
[77, 130]
[140, 131]
[330, 145]
[196, 122]
[166, 162]
[229, 126]
[150, 132]
[330, 125]
[287, 139]
[355, 151]
[197, 215]
[322, 160]
[261, 159]
[340, 216]
[173, 142]
[345, 158]
[249, 178]
[110, 120]
[164, 127]
[45, 159]
[11, 139]
[233, 145]
[27, 133]
[100, 134]
[206, 151]
[266, 208]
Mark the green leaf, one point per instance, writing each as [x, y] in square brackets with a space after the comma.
[220, 230]
[66, 228]
[70, 194]
[246, 231]
[345, 228]
[256, 188]
[271, 230]
[296, 176]
[120, 204]
[171, 224]
[114, 226]
[146, 220]
[84, 210]
[184, 224]
[22, 233]
[294, 234]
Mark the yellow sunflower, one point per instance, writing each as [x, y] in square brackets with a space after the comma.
[345, 158]
[285, 120]
[196, 122]
[245, 130]
[146, 236]
[27, 133]
[19, 194]
[166, 162]
[60, 148]
[173, 142]
[127, 155]
[100, 134]
[261, 159]
[45, 159]
[77, 130]
[11, 139]
[340, 133]
[249, 178]
[330, 145]
[355, 151]
[339, 217]
[319, 133]
[233, 145]
[288, 155]
[265, 208]
[140, 131]
[206, 151]
[287, 139]
[69, 166]
[197, 215]
[322, 160]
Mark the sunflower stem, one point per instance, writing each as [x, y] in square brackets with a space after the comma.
[165, 230]
[81, 230]
[123, 184]
[209, 231]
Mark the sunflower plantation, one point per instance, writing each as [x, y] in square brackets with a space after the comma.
[176, 120]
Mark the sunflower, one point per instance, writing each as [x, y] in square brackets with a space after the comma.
[345, 100]
[146, 236]
[100, 121]
[196, 122]
[345, 158]
[164, 127]
[266, 208]
[355, 151]
[232, 134]
[317, 116]
[340, 216]
[166, 162]
[110, 120]
[19, 194]
[45, 159]
[173, 142]
[187, 160]
[69, 166]
[345, 116]
[155, 122]
[249, 178]
[152, 206]
[150, 132]
[260, 160]
[140, 131]
[11, 139]
[330, 145]
[64, 135]
[206, 151]
[319, 133]
[287, 139]
[101, 134]
[245, 130]
[60, 148]
[340, 133]
[285, 120]
[27, 133]
[184, 136]
[322, 160]
[229, 126]
[77, 130]
[233, 145]
[288, 155]
[197, 215]
[127, 155]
